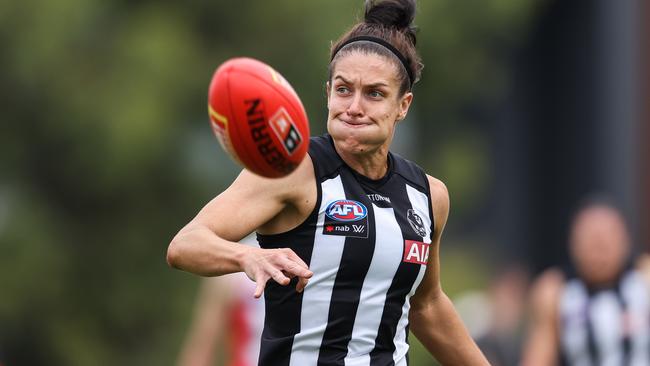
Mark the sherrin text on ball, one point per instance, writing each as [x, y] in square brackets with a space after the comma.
[257, 117]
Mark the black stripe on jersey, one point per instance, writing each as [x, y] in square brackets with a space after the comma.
[592, 348]
[283, 301]
[407, 342]
[414, 174]
[326, 160]
[355, 262]
[402, 283]
[626, 342]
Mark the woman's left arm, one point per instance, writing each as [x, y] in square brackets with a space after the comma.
[432, 317]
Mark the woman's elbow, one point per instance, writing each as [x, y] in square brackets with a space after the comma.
[174, 254]
[178, 250]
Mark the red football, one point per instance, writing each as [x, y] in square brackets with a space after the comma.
[257, 117]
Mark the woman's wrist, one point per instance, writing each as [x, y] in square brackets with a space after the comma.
[242, 255]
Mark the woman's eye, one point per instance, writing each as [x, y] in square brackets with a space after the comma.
[376, 94]
[342, 90]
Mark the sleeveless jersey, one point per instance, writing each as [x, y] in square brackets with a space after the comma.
[607, 327]
[367, 242]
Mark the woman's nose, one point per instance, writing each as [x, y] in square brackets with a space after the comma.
[355, 107]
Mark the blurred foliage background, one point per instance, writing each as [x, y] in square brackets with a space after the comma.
[106, 151]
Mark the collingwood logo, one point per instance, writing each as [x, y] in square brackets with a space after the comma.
[416, 222]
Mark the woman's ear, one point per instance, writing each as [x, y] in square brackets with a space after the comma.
[327, 90]
[404, 105]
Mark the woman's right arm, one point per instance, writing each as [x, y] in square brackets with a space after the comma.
[208, 245]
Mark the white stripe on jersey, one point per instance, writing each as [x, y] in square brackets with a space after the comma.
[386, 258]
[573, 324]
[632, 288]
[605, 317]
[420, 203]
[325, 260]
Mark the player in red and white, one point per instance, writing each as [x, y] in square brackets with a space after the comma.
[227, 319]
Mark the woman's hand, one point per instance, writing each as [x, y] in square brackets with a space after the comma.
[281, 265]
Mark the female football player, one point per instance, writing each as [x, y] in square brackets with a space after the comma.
[355, 229]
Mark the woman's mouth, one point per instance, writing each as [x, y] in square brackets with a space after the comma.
[354, 123]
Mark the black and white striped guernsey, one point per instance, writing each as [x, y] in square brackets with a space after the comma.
[606, 327]
[367, 242]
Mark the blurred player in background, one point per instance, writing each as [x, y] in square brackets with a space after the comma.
[495, 315]
[601, 316]
[227, 322]
[506, 299]
[355, 229]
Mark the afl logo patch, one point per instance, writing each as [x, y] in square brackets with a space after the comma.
[346, 210]
[416, 222]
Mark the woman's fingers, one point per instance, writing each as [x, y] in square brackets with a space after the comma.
[259, 289]
[281, 265]
[302, 283]
[296, 258]
[280, 278]
[294, 268]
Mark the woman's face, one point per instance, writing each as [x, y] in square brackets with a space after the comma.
[364, 102]
[599, 245]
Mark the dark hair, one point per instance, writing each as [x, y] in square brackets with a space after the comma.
[389, 21]
[595, 200]
[598, 200]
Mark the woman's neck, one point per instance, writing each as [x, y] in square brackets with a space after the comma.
[372, 164]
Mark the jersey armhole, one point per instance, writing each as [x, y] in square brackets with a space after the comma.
[313, 215]
[433, 218]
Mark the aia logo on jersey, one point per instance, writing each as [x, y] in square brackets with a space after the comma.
[416, 252]
[346, 210]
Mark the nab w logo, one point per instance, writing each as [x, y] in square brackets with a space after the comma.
[416, 252]
[346, 210]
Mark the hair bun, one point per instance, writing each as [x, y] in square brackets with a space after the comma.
[391, 13]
